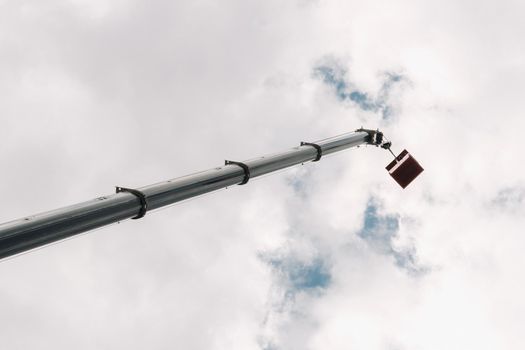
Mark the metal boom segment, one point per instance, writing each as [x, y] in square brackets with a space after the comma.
[34, 231]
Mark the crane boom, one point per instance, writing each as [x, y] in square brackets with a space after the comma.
[37, 230]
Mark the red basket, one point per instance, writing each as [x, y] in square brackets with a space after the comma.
[404, 169]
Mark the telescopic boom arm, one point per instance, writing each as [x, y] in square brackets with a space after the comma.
[34, 231]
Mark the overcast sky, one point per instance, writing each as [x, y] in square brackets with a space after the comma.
[329, 255]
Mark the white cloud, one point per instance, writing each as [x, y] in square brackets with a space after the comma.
[96, 94]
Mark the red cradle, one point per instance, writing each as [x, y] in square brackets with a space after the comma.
[404, 169]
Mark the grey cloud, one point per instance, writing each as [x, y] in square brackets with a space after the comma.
[510, 199]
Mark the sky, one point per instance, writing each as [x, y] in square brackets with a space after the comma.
[328, 255]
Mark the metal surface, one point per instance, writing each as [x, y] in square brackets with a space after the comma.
[34, 231]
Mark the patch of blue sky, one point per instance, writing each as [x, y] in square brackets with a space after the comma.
[379, 231]
[269, 346]
[298, 185]
[303, 276]
[378, 227]
[334, 76]
[314, 275]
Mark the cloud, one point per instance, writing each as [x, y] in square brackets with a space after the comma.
[131, 93]
[510, 199]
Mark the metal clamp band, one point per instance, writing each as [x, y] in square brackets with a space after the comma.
[244, 167]
[317, 147]
[139, 195]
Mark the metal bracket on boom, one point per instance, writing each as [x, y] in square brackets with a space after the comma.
[139, 195]
[317, 147]
[244, 167]
[375, 137]
[387, 146]
[404, 168]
